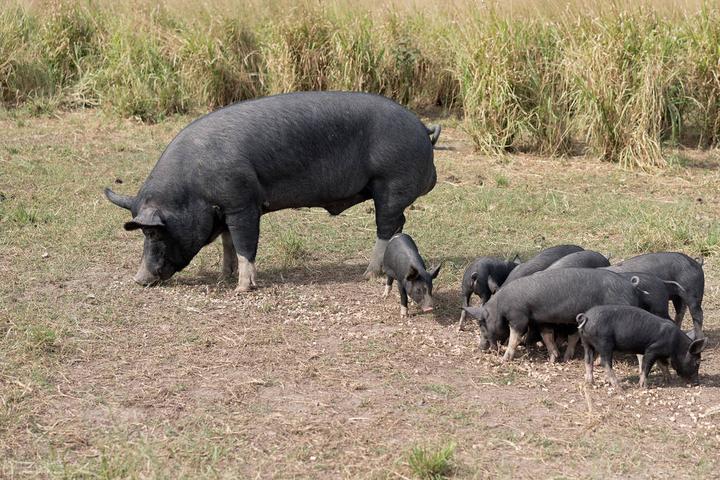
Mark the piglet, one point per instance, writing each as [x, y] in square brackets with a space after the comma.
[609, 328]
[402, 262]
[483, 277]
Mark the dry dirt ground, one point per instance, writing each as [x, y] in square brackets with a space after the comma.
[314, 375]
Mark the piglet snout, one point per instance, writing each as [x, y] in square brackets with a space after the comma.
[427, 309]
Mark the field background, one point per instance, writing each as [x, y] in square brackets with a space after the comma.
[619, 80]
[314, 375]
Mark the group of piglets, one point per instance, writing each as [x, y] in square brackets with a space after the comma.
[569, 291]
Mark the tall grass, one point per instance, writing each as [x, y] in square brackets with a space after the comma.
[619, 81]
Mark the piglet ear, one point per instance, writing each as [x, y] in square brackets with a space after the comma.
[434, 272]
[474, 277]
[697, 346]
[581, 319]
[146, 218]
[412, 274]
[492, 285]
[517, 259]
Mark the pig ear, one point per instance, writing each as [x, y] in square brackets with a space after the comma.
[412, 274]
[147, 218]
[581, 319]
[697, 346]
[474, 277]
[434, 272]
[517, 259]
[492, 285]
[123, 201]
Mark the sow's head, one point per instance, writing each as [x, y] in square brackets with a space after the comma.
[166, 249]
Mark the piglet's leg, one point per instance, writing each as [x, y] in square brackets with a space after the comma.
[647, 363]
[589, 360]
[513, 343]
[571, 345]
[463, 313]
[680, 309]
[403, 300]
[696, 312]
[663, 364]
[606, 362]
[548, 336]
[388, 284]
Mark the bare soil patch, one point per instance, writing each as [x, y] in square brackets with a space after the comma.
[314, 375]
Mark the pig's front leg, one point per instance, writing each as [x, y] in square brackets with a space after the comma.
[403, 300]
[663, 364]
[513, 343]
[463, 313]
[388, 284]
[647, 363]
[244, 228]
[548, 336]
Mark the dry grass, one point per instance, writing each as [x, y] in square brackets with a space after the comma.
[314, 375]
[619, 80]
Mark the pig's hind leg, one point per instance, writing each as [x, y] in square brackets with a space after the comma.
[390, 203]
[548, 336]
[229, 261]
[606, 360]
[680, 309]
[571, 345]
[589, 361]
[696, 312]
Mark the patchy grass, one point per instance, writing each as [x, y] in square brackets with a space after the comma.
[314, 374]
[428, 463]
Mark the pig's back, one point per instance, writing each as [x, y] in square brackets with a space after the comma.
[557, 296]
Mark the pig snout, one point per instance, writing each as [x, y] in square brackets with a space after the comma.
[483, 343]
[144, 277]
[427, 304]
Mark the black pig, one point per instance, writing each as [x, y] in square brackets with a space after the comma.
[483, 277]
[583, 259]
[222, 172]
[677, 267]
[608, 328]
